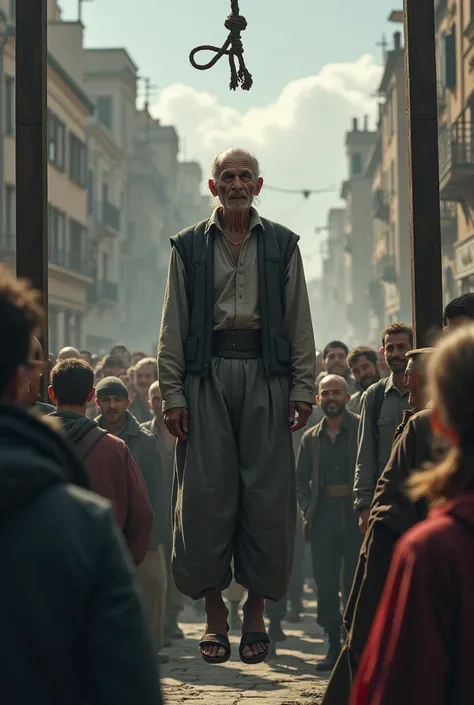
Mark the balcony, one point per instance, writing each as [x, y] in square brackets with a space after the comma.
[449, 223]
[387, 269]
[456, 161]
[109, 218]
[102, 291]
[7, 247]
[72, 261]
[380, 206]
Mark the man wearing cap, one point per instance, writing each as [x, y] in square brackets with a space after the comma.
[113, 402]
[392, 513]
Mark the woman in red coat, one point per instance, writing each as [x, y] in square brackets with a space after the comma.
[421, 647]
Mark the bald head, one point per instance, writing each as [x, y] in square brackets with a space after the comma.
[69, 353]
[333, 395]
[154, 390]
[155, 401]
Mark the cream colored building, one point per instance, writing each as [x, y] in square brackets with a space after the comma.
[69, 265]
[388, 170]
[455, 57]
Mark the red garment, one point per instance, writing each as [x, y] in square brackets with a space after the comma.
[420, 650]
[114, 474]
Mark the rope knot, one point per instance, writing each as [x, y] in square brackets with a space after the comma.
[233, 48]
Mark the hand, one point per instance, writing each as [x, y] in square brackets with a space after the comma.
[177, 423]
[364, 520]
[304, 411]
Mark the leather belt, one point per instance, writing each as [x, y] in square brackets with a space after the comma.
[338, 491]
[239, 344]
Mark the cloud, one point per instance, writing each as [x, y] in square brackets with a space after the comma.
[298, 139]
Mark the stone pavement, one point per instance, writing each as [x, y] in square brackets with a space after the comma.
[290, 679]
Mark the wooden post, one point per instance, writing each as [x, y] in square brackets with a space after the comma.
[31, 148]
[423, 168]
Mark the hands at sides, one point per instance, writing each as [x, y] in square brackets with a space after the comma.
[304, 411]
[177, 423]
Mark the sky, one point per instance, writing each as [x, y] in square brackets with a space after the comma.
[316, 65]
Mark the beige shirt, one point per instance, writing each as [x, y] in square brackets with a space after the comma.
[236, 306]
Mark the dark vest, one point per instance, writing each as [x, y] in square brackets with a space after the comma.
[275, 247]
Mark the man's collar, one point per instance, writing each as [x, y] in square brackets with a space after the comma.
[346, 421]
[391, 385]
[255, 220]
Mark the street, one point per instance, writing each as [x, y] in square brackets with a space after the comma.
[290, 679]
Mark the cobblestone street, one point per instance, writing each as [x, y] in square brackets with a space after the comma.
[290, 679]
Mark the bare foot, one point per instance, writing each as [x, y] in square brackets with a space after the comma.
[217, 614]
[254, 622]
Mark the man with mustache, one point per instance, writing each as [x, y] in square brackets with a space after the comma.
[324, 479]
[362, 363]
[236, 360]
[381, 413]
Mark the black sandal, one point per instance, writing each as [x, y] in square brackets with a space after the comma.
[249, 639]
[219, 640]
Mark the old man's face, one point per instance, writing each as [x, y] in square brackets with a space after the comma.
[236, 185]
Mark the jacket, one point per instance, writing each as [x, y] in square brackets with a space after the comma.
[146, 452]
[72, 624]
[420, 647]
[114, 474]
[276, 245]
[308, 480]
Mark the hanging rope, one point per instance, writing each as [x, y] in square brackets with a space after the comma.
[233, 48]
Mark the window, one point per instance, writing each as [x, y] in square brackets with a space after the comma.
[56, 141]
[77, 242]
[104, 111]
[90, 192]
[9, 106]
[77, 160]
[10, 210]
[450, 58]
[356, 164]
[57, 236]
[105, 266]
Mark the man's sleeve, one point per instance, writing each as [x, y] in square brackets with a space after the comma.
[406, 657]
[173, 335]
[366, 464]
[119, 665]
[299, 328]
[139, 522]
[304, 472]
[391, 504]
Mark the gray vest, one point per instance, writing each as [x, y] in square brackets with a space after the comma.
[275, 247]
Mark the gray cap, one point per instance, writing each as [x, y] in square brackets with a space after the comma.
[111, 387]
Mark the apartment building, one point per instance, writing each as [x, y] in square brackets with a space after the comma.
[69, 265]
[455, 57]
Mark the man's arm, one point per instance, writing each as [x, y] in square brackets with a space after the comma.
[366, 471]
[119, 663]
[173, 335]
[304, 472]
[139, 522]
[299, 329]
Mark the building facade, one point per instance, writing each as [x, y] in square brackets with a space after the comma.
[69, 264]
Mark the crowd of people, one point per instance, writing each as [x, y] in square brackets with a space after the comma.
[134, 482]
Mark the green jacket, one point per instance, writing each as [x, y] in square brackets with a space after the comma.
[146, 452]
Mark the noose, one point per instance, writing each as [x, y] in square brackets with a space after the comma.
[233, 48]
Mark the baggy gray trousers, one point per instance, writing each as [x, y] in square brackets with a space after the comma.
[234, 495]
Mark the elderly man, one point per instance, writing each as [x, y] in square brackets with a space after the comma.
[236, 362]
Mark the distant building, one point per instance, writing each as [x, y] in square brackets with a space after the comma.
[387, 168]
[357, 193]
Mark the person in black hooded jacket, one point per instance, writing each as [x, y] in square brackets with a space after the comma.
[73, 630]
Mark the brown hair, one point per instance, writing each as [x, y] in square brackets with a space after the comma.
[398, 329]
[361, 351]
[21, 316]
[450, 383]
[72, 381]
